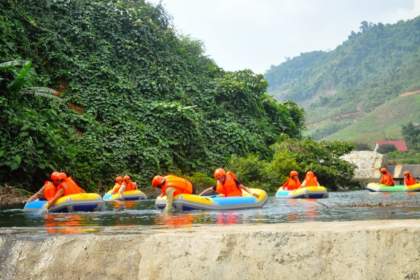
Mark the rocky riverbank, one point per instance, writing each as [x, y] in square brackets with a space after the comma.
[12, 197]
[331, 250]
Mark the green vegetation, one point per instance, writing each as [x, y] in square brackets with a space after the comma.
[342, 90]
[300, 155]
[384, 122]
[100, 88]
[411, 134]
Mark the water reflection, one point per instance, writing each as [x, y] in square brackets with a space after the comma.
[130, 215]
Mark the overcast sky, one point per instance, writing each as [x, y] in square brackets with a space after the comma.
[256, 34]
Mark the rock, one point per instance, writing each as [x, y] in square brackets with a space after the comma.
[333, 250]
[367, 164]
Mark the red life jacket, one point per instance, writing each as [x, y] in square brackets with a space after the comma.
[387, 180]
[131, 186]
[49, 190]
[230, 187]
[292, 184]
[70, 187]
[409, 180]
[180, 185]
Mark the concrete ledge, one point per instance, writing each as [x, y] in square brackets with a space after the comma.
[331, 250]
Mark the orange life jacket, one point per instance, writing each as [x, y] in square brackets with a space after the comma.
[131, 186]
[49, 190]
[386, 179]
[230, 187]
[311, 181]
[70, 187]
[180, 185]
[292, 184]
[409, 180]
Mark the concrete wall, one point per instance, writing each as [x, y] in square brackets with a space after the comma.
[333, 250]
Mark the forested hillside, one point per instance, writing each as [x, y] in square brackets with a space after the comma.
[339, 88]
[100, 88]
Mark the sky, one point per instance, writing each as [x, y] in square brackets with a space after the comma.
[255, 34]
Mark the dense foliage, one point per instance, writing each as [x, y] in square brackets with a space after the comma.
[301, 155]
[129, 96]
[411, 135]
[372, 67]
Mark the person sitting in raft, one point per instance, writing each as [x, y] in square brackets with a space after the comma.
[66, 186]
[409, 180]
[171, 186]
[127, 185]
[293, 182]
[310, 180]
[48, 190]
[227, 184]
[386, 178]
[118, 182]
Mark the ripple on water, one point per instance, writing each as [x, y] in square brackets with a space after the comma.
[135, 217]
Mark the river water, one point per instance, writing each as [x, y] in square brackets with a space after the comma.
[137, 216]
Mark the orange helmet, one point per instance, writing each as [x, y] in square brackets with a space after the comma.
[62, 176]
[383, 170]
[293, 173]
[118, 179]
[157, 181]
[54, 176]
[127, 178]
[219, 173]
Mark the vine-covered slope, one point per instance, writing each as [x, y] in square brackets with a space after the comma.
[130, 96]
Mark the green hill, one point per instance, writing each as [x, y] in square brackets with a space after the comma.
[128, 95]
[343, 87]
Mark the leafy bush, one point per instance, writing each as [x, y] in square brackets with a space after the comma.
[301, 155]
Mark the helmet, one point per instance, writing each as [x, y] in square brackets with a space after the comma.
[157, 181]
[293, 173]
[61, 176]
[219, 173]
[118, 179]
[127, 178]
[54, 176]
[383, 170]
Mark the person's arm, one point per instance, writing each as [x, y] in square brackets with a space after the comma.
[36, 195]
[122, 190]
[59, 194]
[247, 190]
[303, 184]
[169, 199]
[207, 190]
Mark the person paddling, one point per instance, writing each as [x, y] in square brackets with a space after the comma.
[48, 190]
[310, 180]
[227, 184]
[66, 186]
[171, 186]
[409, 180]
[386, 178]
[293, 182]
[118, 182]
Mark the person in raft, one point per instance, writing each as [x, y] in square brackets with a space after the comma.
[172, 186]
[65, 186]
[310, 180]
[386, 178]
[293, 182]
[48, 190]
[127, 185]
[409, 180]
[227, 184]
[118, 182]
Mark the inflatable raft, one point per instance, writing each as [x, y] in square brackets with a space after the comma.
[69, 203]
[127, 196]
[186, 202]
[306, 192]
[375, 187]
